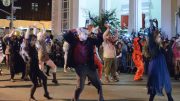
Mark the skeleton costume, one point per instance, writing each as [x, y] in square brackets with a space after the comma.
[43, 55]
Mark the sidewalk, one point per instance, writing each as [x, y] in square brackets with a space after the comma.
[124, 90]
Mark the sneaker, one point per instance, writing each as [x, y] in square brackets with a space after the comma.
[107, 79]
[12, 80]
[140, 79]
[115, 79]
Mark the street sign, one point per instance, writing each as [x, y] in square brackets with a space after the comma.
[6, 2]
[9, 17]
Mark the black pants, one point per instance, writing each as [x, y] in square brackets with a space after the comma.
[12, 71]
[34, 75]
[83, 71]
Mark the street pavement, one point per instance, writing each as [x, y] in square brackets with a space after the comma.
[124, 90]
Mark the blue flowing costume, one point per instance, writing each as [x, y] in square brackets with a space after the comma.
[158, 75]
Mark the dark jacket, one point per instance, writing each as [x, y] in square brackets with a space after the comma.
[73, 40]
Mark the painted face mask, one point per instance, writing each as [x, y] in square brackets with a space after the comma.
[158, 39]
[95, 30]
[83, 36]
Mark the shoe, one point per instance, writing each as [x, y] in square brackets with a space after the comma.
[12, 80]
[115, 79]
[48, 74]
[65, 70]
[140, 79]
[0, 73]
[32, 98]
[55, 81]
[176, 77]
[47, 96]
[26, 79]
[107, 79]
[101, 82]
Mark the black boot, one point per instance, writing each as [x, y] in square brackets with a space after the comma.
[0, 71]
[47, 96]
[33, 89]
[54, 79]
[47, 72]
[151, 98]
[176, 77]
[170, 98]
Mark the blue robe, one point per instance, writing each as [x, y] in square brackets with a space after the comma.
[158, 75]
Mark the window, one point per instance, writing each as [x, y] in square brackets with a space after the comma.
[65, 21]
[34, 7]
[84, 7]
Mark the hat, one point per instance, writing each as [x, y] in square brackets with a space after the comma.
[17, 33]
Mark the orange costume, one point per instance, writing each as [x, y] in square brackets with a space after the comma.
[97, 62]
[138, 59]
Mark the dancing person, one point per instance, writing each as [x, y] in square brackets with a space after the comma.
[176, 52]
[83, 59]
[35, 72]
[16, 62]
[66, 50]
[138, 58]
[158, 75]
[43, 56]
[109, 54]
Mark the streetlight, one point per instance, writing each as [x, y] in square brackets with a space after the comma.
[11, 25]
[13, 9]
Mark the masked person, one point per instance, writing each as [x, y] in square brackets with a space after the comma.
[158, 75]
[83, 59]
[43, 55]
[137, 57]
[16, 62]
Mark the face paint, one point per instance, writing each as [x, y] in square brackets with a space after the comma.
[83, 36]
[95, 30]
[158, 39]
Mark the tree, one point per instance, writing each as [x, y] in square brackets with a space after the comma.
[105, 17]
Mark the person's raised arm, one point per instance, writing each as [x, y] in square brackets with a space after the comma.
[105, 34]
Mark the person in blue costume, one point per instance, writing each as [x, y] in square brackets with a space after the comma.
[158, 75]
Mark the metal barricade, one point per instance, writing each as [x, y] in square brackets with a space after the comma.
[129, 63]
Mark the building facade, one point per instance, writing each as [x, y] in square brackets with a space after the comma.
[35, 10]
[136, 10]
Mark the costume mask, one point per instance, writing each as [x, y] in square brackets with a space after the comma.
[158, 39]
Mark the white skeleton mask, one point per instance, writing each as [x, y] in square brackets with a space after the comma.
[82, 34]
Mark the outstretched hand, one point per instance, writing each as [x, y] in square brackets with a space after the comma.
[107, 26]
